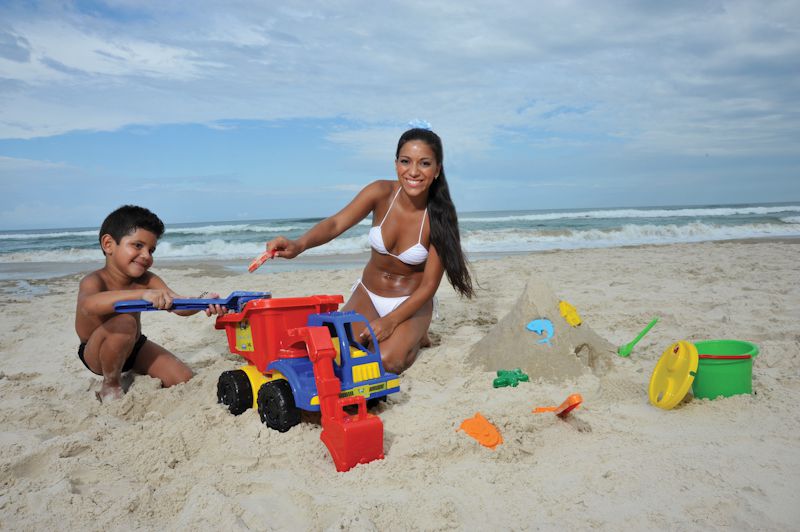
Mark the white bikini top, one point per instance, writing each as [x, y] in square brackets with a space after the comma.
[416, 254]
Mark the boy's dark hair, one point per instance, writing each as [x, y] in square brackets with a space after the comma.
[128, 219]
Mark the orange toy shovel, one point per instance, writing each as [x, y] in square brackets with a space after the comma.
[479, 428]
[261, 259]
[571, 403]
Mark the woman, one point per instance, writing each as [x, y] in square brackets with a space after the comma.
[414, 240]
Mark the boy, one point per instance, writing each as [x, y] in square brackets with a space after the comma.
[113, 343]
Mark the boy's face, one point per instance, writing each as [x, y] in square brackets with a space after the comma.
[133, 256]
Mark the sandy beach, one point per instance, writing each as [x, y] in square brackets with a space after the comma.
[174, 459]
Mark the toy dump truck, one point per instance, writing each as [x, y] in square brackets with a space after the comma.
[303, 355]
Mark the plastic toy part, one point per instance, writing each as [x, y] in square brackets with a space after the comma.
[303, 355]
[625, 350]
[509, 378]
[673, 375]
[570, 403]
[236, 300]
[234, 391]
[725, 368]
[351, 439]
[261, 259]
[485, 433]
[569, 313]
[540, 327]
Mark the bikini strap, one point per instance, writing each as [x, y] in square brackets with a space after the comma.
[390, 206]
[421, 227]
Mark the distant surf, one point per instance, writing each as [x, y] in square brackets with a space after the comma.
[498, 233]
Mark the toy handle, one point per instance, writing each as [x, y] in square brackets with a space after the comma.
[142, 305]
[353, 400]
[644, 331]
[235, 300]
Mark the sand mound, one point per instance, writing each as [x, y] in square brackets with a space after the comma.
[570, 352]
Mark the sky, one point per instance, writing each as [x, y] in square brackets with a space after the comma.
[208, 111]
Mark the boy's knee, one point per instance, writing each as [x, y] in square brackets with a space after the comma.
[177, 376]
[123, 324]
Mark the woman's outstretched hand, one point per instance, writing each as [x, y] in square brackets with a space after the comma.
[283, 247]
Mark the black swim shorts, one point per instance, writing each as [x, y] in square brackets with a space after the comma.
[129, 362]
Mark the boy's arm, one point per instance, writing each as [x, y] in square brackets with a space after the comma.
[157, 282]
[94, 300]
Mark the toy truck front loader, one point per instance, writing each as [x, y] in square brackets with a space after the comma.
[304, 356]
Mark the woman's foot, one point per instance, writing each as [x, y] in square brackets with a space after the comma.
[426, 341]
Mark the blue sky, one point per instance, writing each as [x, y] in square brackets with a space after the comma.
[246, 109]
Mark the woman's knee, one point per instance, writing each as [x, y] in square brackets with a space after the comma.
[398, 361]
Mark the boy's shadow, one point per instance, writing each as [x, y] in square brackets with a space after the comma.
[126, 381]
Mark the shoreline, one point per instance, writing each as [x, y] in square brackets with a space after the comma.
[37, 272]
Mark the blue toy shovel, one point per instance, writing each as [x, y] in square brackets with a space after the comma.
[625, 350]
[234, 301]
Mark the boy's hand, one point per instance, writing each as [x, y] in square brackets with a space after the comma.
[215, 309]
[160, 298]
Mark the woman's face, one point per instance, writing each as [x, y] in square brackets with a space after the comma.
[416, 167]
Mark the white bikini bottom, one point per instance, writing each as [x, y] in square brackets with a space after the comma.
[384, 305]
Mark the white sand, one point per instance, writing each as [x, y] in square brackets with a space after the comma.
[174, 459]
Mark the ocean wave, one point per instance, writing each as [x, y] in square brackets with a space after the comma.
[700, 212]
[48, 235]
[209, 229]
[627, 235]
[484, 240]
[212, 249]
[214, 229]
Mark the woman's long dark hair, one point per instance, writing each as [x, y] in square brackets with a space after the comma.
[443, 219]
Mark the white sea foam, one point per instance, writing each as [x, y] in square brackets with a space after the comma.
[215, 229]
[483, 240]
[633, 213]
[523, 240]
[49, 234]
[210, 229]
[211, 249]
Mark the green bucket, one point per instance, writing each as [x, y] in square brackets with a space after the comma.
[725, 368]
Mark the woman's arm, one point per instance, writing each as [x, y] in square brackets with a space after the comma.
[431, 278]
[333, 226]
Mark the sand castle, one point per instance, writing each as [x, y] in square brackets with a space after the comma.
[569, 352]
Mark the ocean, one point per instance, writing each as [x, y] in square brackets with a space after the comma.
[40, 254]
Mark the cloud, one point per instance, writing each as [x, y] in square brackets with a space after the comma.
[13, 164]
[687, 77]
[14, 48]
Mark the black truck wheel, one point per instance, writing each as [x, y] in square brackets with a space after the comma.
[276, 405]
[234, 391]
[375, 401]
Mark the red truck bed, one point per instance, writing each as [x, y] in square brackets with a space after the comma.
[258, 333]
